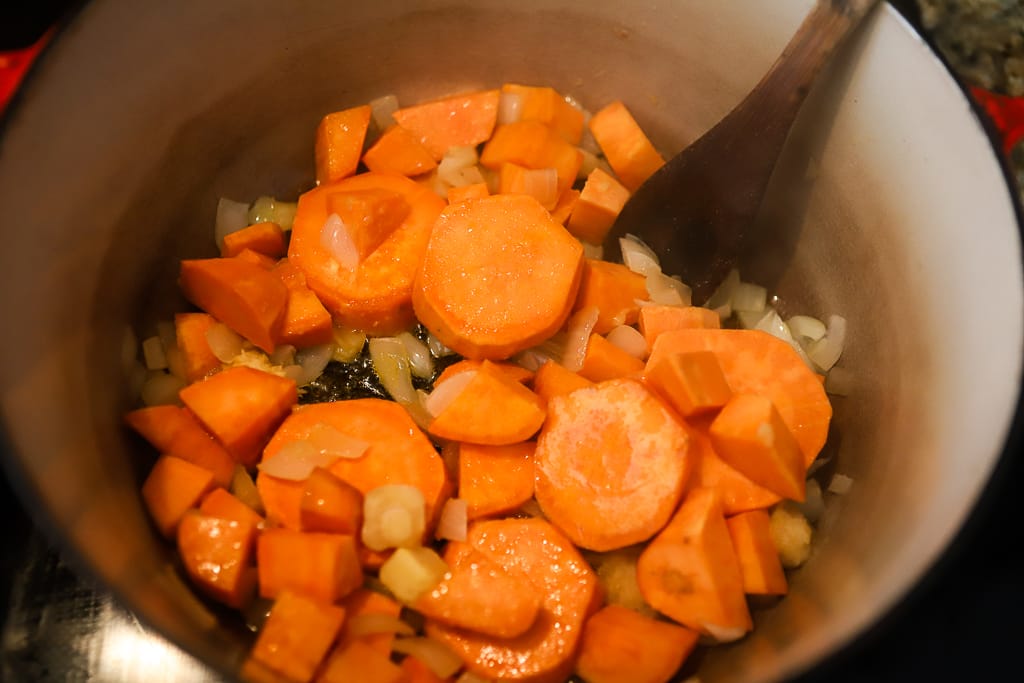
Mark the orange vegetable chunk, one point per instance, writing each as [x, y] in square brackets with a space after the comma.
[736, 492]
[245, 297]
[330, 504]
[361, 602]
[598, 206]
[255, 258]
[357, 661]
[241, 407]
[190, 330]
[535, 146]
[398, 151]
[492, 409]
[376, 295]
[174, 430]
[222, 504]
[615, 290]
[629, 152]
[610, 464]
[534, 550]
[755, 362]
[690, 572]
[417, 672]
[655, 319]
[691, 382]
[216, 553]
[306, 321]
[541, 184]
[563, 209]
[173, 487]
[265, 238]
[478, 595]
[297, 635]
[495, 479]
[552, 379]
[750, 435]
[620, 645]
[323, 566]
[544, 104]
[339, 143]
[604, 360]
[499, 276]
[370, 215]
[463, 120]
[466, 192]
[759, 559]
[514, 372]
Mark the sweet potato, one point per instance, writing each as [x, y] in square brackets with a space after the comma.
[533, 145]
[323, 566]
[370, 216]
[599, 204]
[221, 504]
[478, 595]
[398, 151]
[245, 297]
[759, 559]
[361, 602]
[339, 143]
[492, 409]
[190, 330]
[306, 321]
[604, 360]
[174, 430]
[417, 672]
[691, 382]
[495, 479]
[757, 363]
[736, 493]
[357, 661]
[255, 258]
[217, 554]
[629, 152]
[241, 407]
[376, 296]
[330, 504]
[615, 290]
[655, 319]
[552, 379]
[466, 192]
[265, 238]
[536, 551]
[690, 572]
[463, 120]
[610, 464]
[297, 635]
[173, 487]
[749, 435]
[498, 276]
[545, 105]
[623, 646]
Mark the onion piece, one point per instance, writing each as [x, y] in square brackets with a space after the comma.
[806, 329]
[153, 354]
[370, 624]
[749, 297]
[578, 332]
[471, 175]
[591, 161]
[510, 107]
[381, 110]
[629, 339]
[454, 520]
[335, 238]
[437, 347]
[270, 210]
[530, 359]
[447, 391]
[411, 572]
[161, 388]
[773, 324]
[749, 320]
[232, 216]
[722, 297]
[224, 342]
[329, 441]
[421, 363]
[176, 363]
[638, 257]
[348, 344]
[723, 634]
[840, 484]
[313, 360]
[455, 159]
[244, 489]
[437, 657]
[826, 351]
[296, 461]
[391, 363]
[667, 290]
[284, 354]
[542, 185]
[593, 251]
[418, 410]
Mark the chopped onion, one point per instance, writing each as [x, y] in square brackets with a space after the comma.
[509, 107]
[580, 327]
[176, 363]
[638, 257]
[530, 359]
[446, 392]
[270, 210]
[421, 363]
[381, 109]
[313, 360]
[377, 622]
[295, 461]
[723, 634]
[667, 290]
[433, 182]
[749, 297]
[153, 354]
[244, 489]
[161, 388]
[839, 381]
[391, 363]
[293, 372]
[332, 442]
[437, 347]
[438, 657]
[232, 216]
[335, 238]
[826, 351]
[593, 251]
[284, 354]
[453, 521]
[394, 516]
[542, 185]
[224, 342]
[411, 572]
[418, 410]
[773, 324]
[629, 339]
[454, 161]
[592, 161]
[806, 329]
[840, 484]
[722, 297]
[471, 175]
[348, 344]
[749, 320]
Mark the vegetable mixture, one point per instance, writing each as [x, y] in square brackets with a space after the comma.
[417, 430]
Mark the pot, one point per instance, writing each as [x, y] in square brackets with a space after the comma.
[897, 215]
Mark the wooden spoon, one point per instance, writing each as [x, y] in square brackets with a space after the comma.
[696, 210]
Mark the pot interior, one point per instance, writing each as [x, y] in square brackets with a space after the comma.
[892, 208]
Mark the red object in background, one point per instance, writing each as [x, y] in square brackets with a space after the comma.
[1007, 113]
[14, 65]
